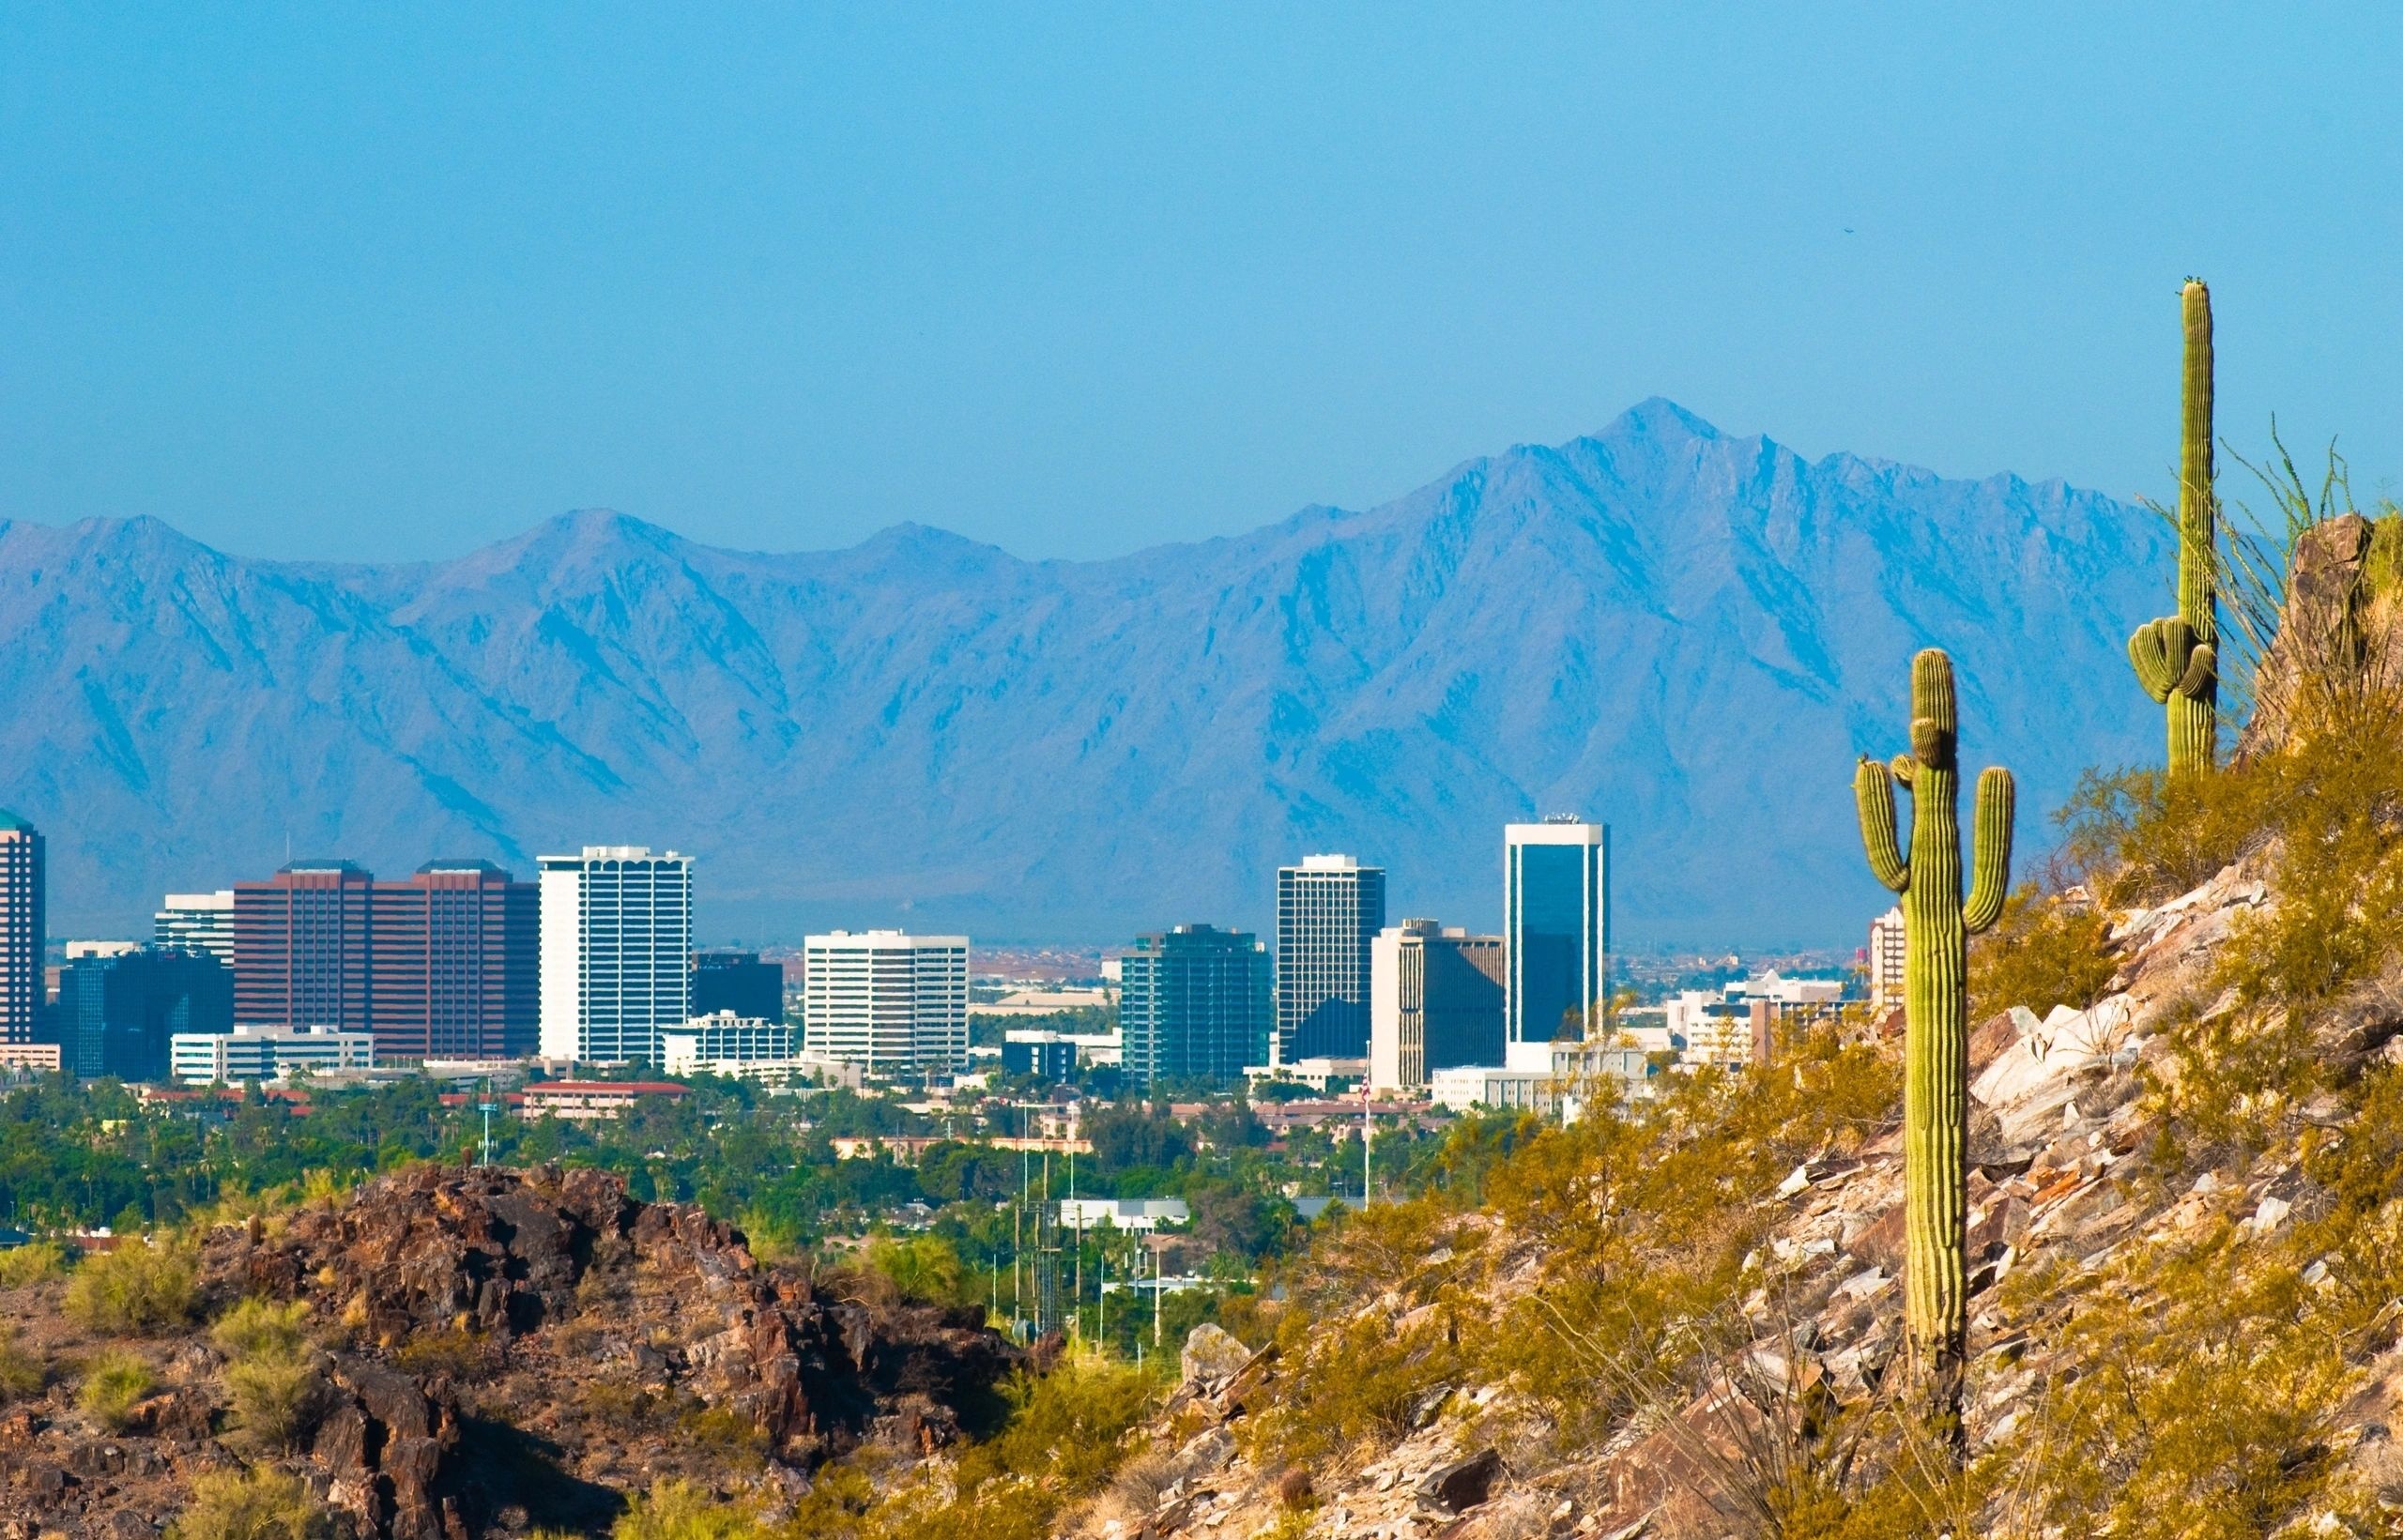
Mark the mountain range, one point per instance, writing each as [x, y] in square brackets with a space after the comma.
[1685, 633]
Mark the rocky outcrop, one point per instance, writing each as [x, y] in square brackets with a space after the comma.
[512, 1350]
[2059, 1125]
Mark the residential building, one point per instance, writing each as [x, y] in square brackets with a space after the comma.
[1743, 1023]
[1889, 952]
[1468, 1087]
[617, 942]
[1329, 908]
[249, 1053]
[1195, 1003]
[455, 960]
[197, 922]
[1556, 921]
[1435, 997]
[892, 1002]
[737, 982]
[592, 1100]
[22, 935]
[1125, 1213]
[118, 1011]
[301, 947]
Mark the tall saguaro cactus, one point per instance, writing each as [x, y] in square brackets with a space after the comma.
[2176, 657]
[1936, 928]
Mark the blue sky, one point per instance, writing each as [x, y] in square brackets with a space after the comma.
[392, 282]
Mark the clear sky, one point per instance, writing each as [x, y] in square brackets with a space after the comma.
[377, 282]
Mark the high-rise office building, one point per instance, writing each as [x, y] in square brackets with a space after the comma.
[456, 958]
[617, 929]
[1328, 909]
[886, 1000]
[118, 1011]
[301, 947]
[1556, 925]
[197, 922]
[1889, 952]
[1195, 1003]
[1435, 997]
[21, 933]
[738, 981]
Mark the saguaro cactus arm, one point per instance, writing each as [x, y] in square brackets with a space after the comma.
[1872, 788]
[2203, 673]
[2150, 656]
[1990, 881]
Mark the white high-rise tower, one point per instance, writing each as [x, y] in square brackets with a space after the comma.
[890, 1001]
[617, 952]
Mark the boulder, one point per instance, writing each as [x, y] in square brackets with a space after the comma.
[1212, 1353]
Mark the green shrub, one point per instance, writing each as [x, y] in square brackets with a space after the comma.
[278, 1395]
[21, 1372]
[31, 1264]
[454, 1351]
[257, 1327]
[135, 1289]
[676, 1510]
[254, 1504]
[114, 1383]
[923, 1268]
[2043, 952]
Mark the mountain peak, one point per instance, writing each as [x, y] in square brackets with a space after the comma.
[1658, 417]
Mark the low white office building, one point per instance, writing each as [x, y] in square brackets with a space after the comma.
[751, 1048]
[252, 1053]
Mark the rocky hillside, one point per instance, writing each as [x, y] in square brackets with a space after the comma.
[1648, 625]
[482, 1352]
[2188, 1289]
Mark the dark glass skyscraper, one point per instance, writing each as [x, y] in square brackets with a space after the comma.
[117, 1012]
[1194, 1003]
[1329, 908]
[1557, 920]
[737, 982]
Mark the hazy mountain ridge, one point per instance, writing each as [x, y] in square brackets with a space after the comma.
[1687, 632]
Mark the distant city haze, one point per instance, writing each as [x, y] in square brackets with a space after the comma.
[1684, 633]
[1075, 280]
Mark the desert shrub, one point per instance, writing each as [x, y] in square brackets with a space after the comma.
[676, 1510]
[726, 1433]
[259, 1327]
[2210, 1377]
[135, 1289]
[923, 1268]
[772, 1238]
[278, 1395]
[21, 1372]
[2045, 951]
[2136, 837]
[39, 1262]
[114, 1383]
[455, 1351]
[254, 1504]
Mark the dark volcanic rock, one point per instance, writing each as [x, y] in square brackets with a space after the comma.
[510, 1350]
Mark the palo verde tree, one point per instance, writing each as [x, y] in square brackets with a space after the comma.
[1936, 926]
[2176, 657]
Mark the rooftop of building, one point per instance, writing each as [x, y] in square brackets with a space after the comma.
[16, 822]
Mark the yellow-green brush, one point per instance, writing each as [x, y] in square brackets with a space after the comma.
[2176, 657]
[1936, 928]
